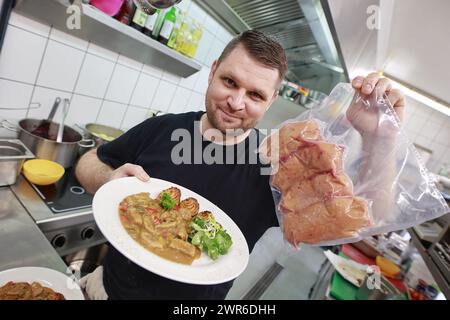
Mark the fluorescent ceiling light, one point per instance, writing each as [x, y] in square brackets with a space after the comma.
[420, 97]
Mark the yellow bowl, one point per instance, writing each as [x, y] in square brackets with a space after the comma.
[387, 267]
[42, 172]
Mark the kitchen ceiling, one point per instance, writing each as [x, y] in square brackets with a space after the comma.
[299, 25]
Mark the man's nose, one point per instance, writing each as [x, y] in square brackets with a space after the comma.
[236, 100]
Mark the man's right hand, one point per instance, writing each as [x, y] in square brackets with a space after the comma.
[129, 170]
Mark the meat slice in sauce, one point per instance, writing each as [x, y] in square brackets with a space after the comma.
[163, 232]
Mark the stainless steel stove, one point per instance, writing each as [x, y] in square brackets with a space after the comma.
[63, 212]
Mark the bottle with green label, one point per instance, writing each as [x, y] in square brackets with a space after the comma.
[173, 40]
[168, 25]
[139, 19]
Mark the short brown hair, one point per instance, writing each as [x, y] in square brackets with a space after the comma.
[262, 47]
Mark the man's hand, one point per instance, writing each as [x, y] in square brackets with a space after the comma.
[366, 120]
[129, 170]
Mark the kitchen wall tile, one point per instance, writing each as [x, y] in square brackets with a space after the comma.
[111, 114]
[34, 26]
[21, 55]
[443, 137]
[202, 82]
[183, 5]
[122, 84]
[190, 81]
[423, 112]
[133, 116]
[46, 97]
[144, 91]
[164, 95]
[83, 110]
[68, 39]
[204, 46]
[223, 35]
[180, 100]
[133, 64]
[196, 102]
[197, 13]
[210, 25]
[214, 53]
[430, 129]
[102, 52]
[60, 67]
[153, 71]
[171, 77]
[438, 150]
[94, 76]
[15, 96]
[416, 123]
[439, 118]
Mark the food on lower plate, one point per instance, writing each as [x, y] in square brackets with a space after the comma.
[209, 235]
[317, 201]
[25, 291]
[167, 226]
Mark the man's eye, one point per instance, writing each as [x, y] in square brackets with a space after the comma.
[256, 95]
[229, 82]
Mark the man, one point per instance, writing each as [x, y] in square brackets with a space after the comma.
[243, 83]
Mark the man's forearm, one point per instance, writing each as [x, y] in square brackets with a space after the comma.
[91, 172]
[378, 173]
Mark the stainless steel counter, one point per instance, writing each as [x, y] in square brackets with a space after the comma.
[21, 242]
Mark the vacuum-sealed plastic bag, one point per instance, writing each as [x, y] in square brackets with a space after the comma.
[345, 170]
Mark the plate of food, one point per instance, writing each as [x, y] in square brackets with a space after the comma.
[36, 283]
[170, 230]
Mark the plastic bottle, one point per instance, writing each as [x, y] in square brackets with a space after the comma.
[168, 25]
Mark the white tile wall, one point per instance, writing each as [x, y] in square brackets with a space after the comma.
[39, 63]
[21, 55]
[430, 129]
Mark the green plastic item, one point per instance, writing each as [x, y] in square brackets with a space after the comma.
[341, 289]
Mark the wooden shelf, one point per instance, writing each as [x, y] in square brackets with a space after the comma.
[109, 33]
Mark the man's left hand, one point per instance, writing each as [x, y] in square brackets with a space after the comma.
[363, 120]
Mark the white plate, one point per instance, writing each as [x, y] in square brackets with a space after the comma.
[50, 278]
[203, 270]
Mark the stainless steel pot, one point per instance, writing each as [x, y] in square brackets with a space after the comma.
[40, 137]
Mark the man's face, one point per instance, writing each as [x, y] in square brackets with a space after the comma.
[240, 91]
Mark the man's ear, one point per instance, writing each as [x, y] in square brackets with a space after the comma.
[272, 100]
[212, 71]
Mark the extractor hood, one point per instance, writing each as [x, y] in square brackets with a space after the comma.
[301, 26]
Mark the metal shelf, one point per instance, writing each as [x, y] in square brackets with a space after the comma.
[434, 269]
[109, 33]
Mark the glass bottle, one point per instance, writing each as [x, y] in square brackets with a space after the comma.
[168, 25]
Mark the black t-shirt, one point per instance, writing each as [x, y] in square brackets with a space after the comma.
[238, 189]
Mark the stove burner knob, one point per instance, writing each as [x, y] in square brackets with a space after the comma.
[59, 241]
[87, 233]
